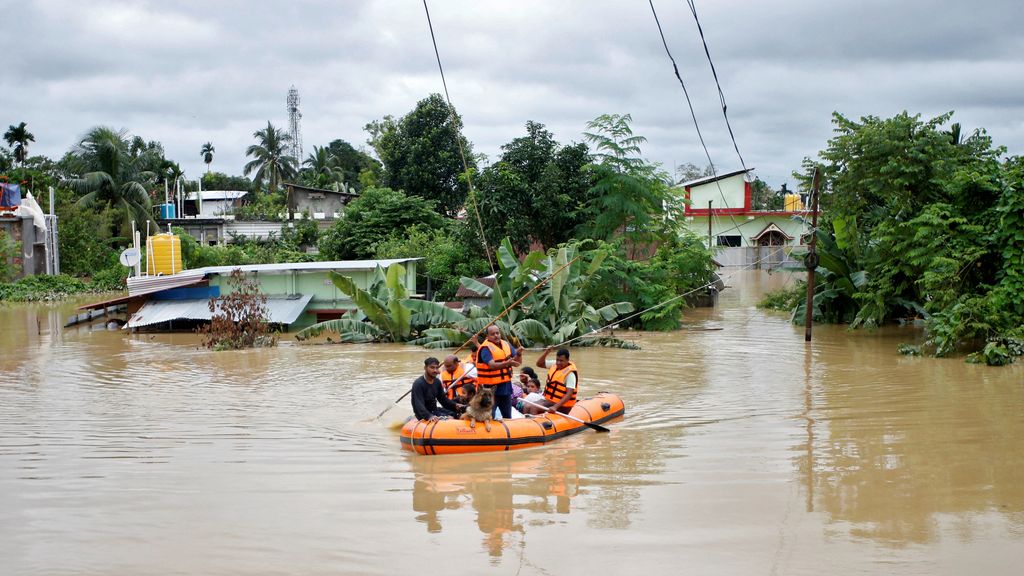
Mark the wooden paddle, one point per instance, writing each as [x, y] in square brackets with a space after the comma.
[591, 425]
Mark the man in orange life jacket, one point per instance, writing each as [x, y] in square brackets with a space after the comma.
[495, 360]
[455, 375]
[562, 385]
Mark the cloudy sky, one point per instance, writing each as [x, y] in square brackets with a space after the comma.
[188, 72]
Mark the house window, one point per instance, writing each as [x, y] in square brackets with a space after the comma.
[731, 241]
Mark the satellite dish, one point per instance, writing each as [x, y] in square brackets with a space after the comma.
[130, 257]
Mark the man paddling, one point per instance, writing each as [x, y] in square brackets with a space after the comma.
[494, 362]
[562, 385]
[427, 393]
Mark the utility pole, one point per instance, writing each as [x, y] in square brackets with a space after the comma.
[709, 224]
[811, 261]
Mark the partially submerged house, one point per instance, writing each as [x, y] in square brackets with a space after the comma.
[299, 294]
[720, 210]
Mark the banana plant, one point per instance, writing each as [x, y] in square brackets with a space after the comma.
[385, 311]
[553, 314]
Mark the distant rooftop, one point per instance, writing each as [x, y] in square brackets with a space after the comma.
[708, 179]
[215, 195]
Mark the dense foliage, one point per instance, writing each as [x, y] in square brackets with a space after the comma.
[920, 220]
[373, 218]
[421, 153]
[536, 192]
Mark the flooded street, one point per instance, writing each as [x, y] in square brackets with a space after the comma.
[743, 451]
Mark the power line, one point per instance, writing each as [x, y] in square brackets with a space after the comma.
[458, 140]
[721, 95]
[693, 114]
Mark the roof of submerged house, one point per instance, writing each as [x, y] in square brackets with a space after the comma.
[139, 285]
[280, 310]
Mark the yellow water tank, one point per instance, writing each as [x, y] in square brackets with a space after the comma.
[793, 203]
[163, 254]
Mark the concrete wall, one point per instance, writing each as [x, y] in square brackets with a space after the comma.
[746, 227]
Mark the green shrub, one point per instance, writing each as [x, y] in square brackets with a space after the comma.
[43, 288]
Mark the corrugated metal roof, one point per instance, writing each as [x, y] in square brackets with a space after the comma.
[138, 285]
[305, 266]
[280, 310]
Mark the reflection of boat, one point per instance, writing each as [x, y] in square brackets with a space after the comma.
[456, 436]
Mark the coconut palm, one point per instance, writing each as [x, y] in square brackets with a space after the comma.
[322, 168]
[207, 154]
[271, 161]
[110, 175]
[18, 137]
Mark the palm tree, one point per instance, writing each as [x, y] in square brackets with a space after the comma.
[322, 168]
[271, 160]
[18, 138]
[110, 175]
[207, 154]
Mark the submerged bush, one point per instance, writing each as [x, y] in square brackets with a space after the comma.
[239, 317]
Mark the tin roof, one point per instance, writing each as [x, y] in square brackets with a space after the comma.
[139, 285]
[280, 310]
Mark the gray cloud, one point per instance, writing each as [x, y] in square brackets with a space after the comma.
[189, 72]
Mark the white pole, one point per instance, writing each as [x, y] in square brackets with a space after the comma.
[51, 201]
[199, 196]
[167, 194]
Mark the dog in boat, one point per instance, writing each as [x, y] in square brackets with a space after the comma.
[480, 407]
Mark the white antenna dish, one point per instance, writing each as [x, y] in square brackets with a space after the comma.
[130, 257]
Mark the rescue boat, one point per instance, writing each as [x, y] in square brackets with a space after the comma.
[458, 437]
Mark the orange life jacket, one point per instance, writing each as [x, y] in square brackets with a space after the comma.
[449, 378]
[487, 376]
[555, 388]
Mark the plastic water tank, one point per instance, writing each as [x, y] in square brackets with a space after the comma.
[793, 203]
[163, 254]
[167, 211]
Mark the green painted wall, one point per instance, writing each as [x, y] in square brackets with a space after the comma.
[317, 283]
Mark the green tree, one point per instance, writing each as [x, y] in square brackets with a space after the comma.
[355, 165]
[373, 218]
[449, 251]
[271, 161]
[630, 196]
[927, 213]
[111, 176]
[17, 138]
[536, 191]
[207, 153]
[321, 168]
[421, 153]
[221, 181]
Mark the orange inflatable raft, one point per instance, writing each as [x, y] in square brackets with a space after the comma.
[457, 437]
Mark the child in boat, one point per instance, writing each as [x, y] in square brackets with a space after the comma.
[532, 394]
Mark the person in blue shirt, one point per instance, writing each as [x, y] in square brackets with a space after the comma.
[495, 360]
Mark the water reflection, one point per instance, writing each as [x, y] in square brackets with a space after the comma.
[498, 487]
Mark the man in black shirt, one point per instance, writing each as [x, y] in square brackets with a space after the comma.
[427, 392]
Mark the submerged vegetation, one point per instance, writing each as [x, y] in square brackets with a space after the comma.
[240, 317]
[921, 221]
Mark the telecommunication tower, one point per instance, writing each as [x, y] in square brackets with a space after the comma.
[294, 128]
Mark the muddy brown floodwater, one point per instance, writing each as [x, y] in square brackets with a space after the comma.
[743, 451]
